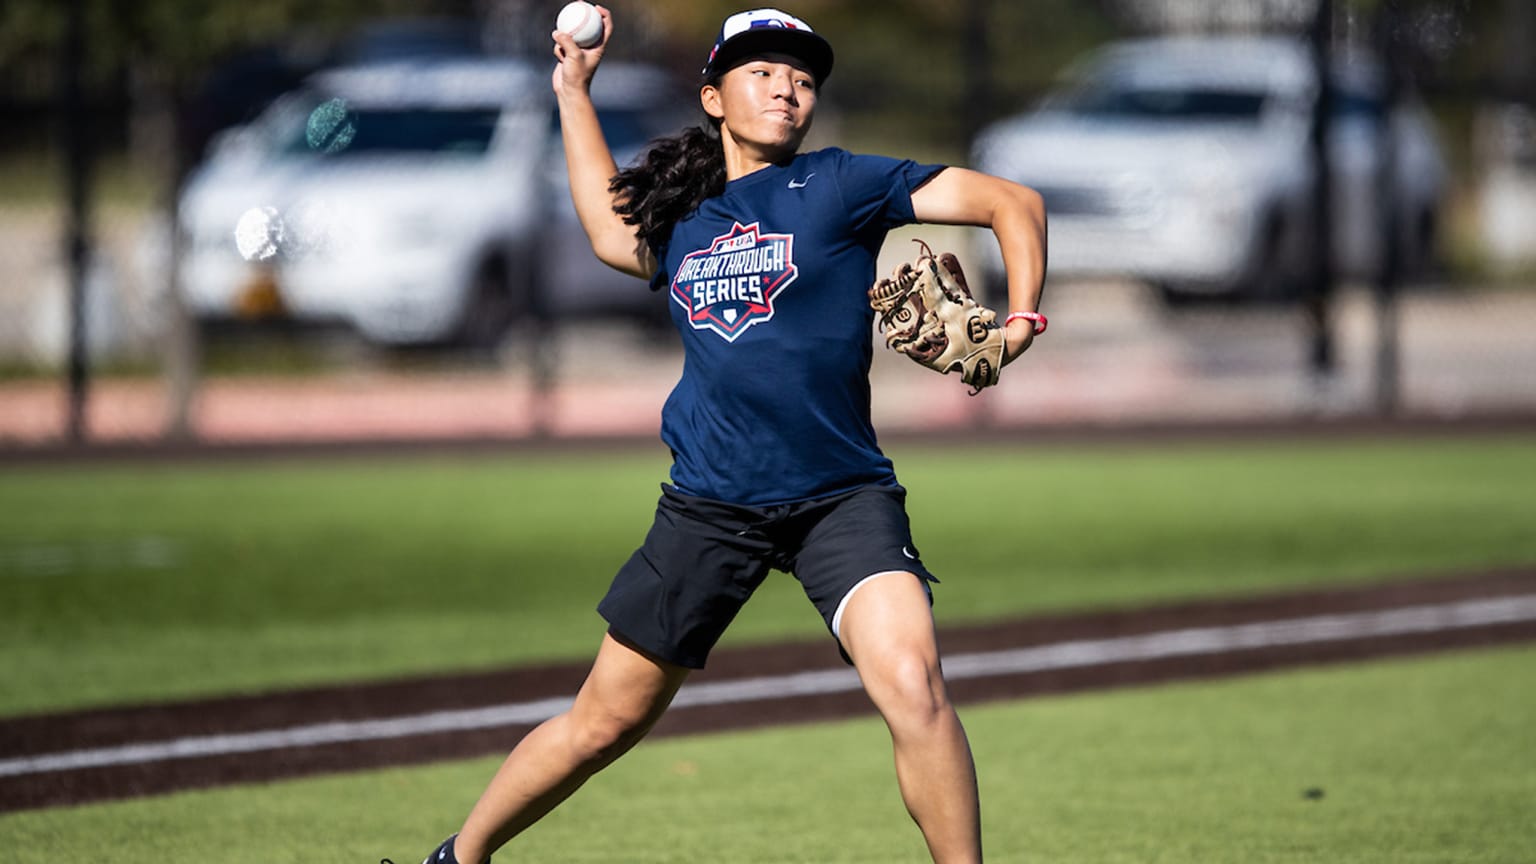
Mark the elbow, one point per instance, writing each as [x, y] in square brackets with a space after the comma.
[1020, 208]
[1030, 202]
[1014, 205]
[622, 251]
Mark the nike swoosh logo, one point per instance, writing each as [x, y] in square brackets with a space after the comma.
[908, 554]
[793, 184]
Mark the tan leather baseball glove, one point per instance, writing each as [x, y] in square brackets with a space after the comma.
[927, 312]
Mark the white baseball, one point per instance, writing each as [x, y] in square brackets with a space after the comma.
[582, 20]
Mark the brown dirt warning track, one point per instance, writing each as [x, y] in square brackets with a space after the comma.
[71, 758]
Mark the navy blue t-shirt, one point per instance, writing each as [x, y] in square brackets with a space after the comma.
[767, 283]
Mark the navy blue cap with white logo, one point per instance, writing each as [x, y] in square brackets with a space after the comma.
[762, 31]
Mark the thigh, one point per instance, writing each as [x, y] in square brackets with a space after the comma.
[888, 630]
[627, 685]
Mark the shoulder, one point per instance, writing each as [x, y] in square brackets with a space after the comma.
[854, 173]
[871, 167]
[838, 159]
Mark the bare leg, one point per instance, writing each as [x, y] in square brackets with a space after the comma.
[887, 628]
[624, 695]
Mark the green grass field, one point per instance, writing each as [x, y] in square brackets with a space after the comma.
[1418, 761]
[127, 583]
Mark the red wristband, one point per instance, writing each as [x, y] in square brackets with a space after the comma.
[1036, 317]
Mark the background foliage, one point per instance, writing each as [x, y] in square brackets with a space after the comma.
[927, 71]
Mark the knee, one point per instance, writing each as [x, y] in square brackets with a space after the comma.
[909, 688]
[598, 739]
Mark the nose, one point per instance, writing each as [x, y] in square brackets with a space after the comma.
[784, 87]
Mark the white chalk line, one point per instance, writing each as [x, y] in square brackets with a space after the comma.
[1194, 641]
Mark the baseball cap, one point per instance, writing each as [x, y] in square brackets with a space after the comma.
[761, 31]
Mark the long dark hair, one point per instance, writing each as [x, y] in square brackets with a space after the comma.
[670, 181]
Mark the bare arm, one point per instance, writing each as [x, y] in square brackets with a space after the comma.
[588, 159]
[1016, 215]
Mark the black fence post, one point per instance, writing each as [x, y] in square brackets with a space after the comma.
[1388, 273]
[976, 63]
[543, 329]
[1319, 295]
[976, 78]
[77, 165]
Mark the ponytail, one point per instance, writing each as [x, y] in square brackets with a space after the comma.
[670, 181]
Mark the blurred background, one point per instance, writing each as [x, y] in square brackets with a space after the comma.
[340, 221]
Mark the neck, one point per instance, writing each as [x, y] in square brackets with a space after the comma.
[742, 159]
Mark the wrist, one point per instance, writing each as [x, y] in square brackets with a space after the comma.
[1037, 321]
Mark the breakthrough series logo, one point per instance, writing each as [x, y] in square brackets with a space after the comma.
[732, 285]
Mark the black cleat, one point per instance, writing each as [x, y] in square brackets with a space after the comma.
[441, 855]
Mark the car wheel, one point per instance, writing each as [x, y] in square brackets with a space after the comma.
[493, 307]
[1269, 278]
[1420, 255]
[1176, 295]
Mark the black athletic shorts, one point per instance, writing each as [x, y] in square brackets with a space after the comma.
[703, 558]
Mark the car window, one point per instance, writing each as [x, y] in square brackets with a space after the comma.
[1353, 104]
[375, 131]
[1154, 103]
[623, 128]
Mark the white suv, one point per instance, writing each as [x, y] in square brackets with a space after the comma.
[419, 201]
[1186, 163]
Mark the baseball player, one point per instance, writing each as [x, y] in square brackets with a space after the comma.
[765, 256]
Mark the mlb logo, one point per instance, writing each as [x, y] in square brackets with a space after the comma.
[733, 284]
[779, 23]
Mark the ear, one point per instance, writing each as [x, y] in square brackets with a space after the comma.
[709, 98]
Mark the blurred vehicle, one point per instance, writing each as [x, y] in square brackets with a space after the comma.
[1187, 163]
[419, 201]
[1506, 197]
[636, 103]
[411, 38]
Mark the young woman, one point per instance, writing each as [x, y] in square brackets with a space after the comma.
[764, 255]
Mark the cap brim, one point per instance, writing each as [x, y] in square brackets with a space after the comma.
[808, 47]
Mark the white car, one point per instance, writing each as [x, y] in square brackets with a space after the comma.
[419, 201]
[1186, 163]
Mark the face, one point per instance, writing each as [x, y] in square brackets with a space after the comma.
[765, 103]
